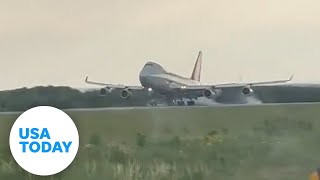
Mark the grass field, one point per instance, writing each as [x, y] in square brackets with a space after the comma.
[246, 142]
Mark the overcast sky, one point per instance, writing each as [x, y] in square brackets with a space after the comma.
[59, 42]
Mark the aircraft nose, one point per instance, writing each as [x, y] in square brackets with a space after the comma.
[143, 80]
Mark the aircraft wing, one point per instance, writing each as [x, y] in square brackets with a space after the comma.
[253, 83]
[114, 86]
[188, 88]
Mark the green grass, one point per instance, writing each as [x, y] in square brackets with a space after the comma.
[254, 142]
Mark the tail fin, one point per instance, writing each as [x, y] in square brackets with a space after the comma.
[196, 73]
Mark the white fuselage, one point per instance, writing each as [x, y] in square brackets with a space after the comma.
[155, 77]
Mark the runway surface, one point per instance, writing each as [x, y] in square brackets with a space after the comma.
[188, 107]
[179, 107]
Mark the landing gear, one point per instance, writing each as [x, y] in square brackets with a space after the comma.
[180, 103]
[190, 103]
[153, 103]
[170, 102]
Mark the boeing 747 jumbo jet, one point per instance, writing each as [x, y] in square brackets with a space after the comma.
[155, 79]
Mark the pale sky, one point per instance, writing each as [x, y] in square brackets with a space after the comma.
[59, 42]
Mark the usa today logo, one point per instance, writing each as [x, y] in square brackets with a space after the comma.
[44, 140]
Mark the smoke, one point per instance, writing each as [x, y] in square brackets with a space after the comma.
[253, 100]
[202, 101]
[236, 100]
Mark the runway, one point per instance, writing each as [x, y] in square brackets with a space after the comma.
[190, 107]
[216, 106]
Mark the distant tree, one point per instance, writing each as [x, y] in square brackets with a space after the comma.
[64, 97]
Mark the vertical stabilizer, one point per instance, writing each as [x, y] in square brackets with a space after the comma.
[196, 73]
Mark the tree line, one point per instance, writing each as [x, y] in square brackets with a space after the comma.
[64, 97]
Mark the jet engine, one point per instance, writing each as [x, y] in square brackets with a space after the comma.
[105, 91]
[125, 94]
[208, 93]
[247, 91]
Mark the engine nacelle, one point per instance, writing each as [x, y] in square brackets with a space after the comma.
[208, 93]
[247, 91]
[125, 94]
[105, 91]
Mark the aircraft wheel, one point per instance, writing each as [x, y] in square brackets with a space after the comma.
[180, 103]
[153, 103]
[171, 102]
[190, 103]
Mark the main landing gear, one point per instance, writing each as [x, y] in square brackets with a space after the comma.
[190, 103]
[153, 103]
[182, 103]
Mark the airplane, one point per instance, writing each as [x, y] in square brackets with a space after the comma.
[174, 88]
